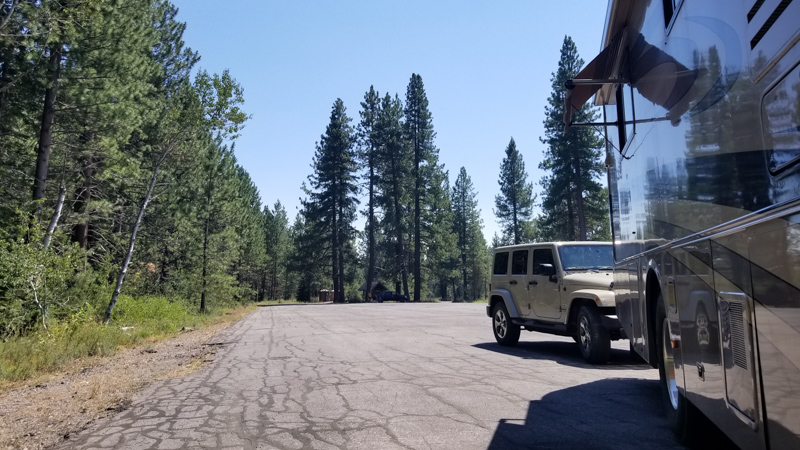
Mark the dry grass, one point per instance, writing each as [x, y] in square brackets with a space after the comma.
[40, 412]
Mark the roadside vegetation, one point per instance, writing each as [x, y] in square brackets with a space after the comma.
[125, 216]
[139, 321]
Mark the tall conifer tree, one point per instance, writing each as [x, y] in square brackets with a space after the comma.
[369, 142]
[332, 201]
[572, 160]
[420, 136]
[515, 202]
[394, 164]
[467, 225]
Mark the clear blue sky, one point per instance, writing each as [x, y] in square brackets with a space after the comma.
[486, 67]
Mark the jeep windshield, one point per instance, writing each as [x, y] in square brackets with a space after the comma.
[586, 257]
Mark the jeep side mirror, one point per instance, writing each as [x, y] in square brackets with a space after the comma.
[549, 271]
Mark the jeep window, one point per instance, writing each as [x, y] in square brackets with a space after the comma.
[542, 256]
[519, 262]
[586, 257]
[500, 263]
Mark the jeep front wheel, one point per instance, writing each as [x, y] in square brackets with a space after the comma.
[592, 336]
[505, 332]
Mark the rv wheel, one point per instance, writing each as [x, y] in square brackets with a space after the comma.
[682, 416]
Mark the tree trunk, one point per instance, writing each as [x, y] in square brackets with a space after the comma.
[570, 215]
[56, 215]
[203, 294]
[400, 250]
[514, 220]
[417, 236]
[579, 201]
[80, 233]
[341, 226]
[127, 261]
[274, 287]
[370, 231]
[46, 127]
[335, 251]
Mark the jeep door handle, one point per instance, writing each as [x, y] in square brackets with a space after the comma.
[513, 282]
[533, 282]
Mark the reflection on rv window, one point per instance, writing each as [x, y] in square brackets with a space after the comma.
[586, 257]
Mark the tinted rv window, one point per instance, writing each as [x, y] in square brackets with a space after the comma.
[519, 263]
[670, 9]
[501, 263]
[625, 115]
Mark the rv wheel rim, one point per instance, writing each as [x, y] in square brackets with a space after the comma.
[500, 323]
[669, 366]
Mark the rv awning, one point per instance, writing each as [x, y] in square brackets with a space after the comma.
[656, 75]
[601, 70]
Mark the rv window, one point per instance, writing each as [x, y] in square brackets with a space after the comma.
[625, 115]
[500, 263]
[670, 9]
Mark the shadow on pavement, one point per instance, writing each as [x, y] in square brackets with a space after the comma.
[566, 353]
[622, 413]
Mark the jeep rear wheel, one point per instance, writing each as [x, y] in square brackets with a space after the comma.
[592, 336]
[505, 332]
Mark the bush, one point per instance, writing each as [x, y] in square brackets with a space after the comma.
[37, 284]
[155, 312]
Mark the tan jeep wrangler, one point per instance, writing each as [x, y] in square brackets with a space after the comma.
[562, 288]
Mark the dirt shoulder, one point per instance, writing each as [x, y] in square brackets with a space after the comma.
[45, 411]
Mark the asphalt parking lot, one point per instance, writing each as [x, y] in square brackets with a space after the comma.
[392, 376]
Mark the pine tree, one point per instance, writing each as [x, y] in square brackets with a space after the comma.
[277, 240]
[467, 225]
[441, 257]
[420, 135]
[394, 164]
[332, 200]
[515, 202]
[572, 160]
[369, 143]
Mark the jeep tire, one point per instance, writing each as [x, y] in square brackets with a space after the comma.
[505, 332]
[592, 336]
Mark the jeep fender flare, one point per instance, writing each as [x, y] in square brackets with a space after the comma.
[607, 298]
[503, 295]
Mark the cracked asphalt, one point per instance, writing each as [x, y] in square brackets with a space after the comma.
[391, 376]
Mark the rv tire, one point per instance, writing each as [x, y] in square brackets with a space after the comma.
[683, 418]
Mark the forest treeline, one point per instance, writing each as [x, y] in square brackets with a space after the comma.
[118, 179]
[115, 171]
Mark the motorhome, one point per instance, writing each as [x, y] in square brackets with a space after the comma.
[700, 108]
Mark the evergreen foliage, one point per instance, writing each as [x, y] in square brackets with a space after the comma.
[572, 197]
[514, 204]
[419, 135]
[394, 165]
[331, 204]
[96, 108]
[369, 143]
[473, 255]
[119, 182]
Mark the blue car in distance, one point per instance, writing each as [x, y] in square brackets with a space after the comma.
[392, 296]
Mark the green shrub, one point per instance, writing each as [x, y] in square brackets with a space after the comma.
[37, 284]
